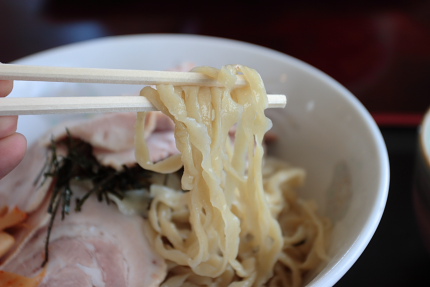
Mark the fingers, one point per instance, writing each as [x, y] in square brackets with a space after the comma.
[5, 87]
[8, 125]
[12, 144]
[12, 151]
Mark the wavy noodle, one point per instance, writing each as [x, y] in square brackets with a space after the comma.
[238, 221]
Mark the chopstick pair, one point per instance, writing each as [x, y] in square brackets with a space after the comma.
[56, 105]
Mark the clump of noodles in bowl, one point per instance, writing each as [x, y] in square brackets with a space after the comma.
[326, 158]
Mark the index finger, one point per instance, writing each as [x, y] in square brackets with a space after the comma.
[6, 87]
[8, 124]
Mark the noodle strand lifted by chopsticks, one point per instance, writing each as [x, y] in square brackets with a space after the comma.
[224, 228]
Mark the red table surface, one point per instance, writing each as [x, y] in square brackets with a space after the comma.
[379, 50]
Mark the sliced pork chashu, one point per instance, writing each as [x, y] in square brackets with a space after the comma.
[98, 246]
[106, 247]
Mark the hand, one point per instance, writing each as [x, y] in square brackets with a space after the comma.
[12, 144]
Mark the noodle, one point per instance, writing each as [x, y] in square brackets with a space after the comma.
[238, 221]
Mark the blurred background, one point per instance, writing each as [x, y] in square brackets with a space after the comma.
[379, 50]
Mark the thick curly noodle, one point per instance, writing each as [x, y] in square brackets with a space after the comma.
[237, 224]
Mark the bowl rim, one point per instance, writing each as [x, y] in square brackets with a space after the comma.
[424, 137]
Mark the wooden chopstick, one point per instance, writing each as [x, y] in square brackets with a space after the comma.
[105, 76]
[60, 105]
[67, 105]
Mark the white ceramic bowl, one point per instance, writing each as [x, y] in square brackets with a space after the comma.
[323, 129]
[421, 193]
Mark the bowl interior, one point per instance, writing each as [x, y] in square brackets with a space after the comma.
[323, 129]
